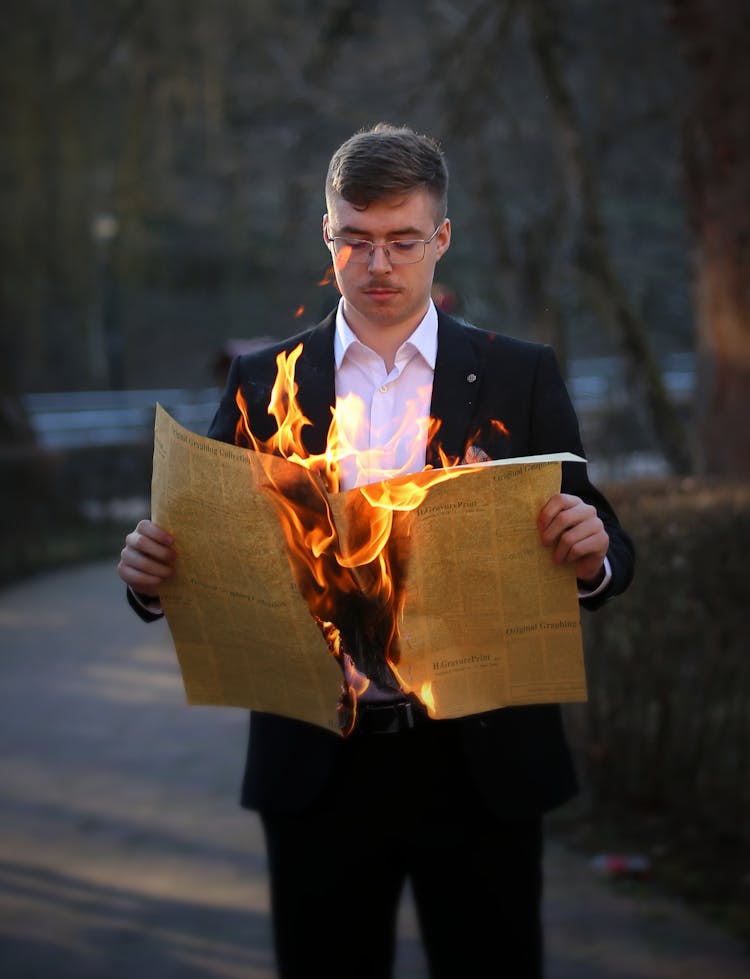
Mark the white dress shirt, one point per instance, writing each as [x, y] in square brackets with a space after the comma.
[387, 435]
[389, 432]
[385, 422]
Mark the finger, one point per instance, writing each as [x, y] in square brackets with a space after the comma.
[157, 546]
[555, 508]
[146, 561]
[152, 531]
[144, 584]
[143, 573]
[150, 564]
[568, 516]
[550, 510]
[581, 541]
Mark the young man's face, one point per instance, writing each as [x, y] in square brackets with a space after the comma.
[378, 293]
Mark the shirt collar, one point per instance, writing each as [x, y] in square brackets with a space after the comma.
[423, 339]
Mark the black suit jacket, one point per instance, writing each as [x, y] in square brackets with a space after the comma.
[518, 756]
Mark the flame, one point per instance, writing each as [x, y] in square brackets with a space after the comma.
[425, 695]
[354, 584]
[498, 426]
[341, 260]
[300, 310]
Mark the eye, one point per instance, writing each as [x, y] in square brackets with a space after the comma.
[404, 247]
[357, 245]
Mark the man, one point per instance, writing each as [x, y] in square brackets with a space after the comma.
[453, 806]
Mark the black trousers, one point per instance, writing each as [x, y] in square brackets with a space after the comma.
[402, 806]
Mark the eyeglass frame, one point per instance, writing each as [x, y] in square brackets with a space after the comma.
[385, 245]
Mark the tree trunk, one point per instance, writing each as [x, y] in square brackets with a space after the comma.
[715, 41]
[603, 284]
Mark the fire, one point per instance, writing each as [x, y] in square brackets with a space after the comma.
[425, 695]
[354, 584]
[342, 259]
[339, 262]
[300, 310]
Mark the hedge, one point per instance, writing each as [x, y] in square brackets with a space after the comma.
[664, 739]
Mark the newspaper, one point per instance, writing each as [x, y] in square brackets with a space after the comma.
[488, 620]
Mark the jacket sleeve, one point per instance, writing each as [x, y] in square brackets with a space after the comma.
[222, 428]
[140, 610]
[555, 428]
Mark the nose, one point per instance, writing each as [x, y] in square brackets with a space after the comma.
[379, 259]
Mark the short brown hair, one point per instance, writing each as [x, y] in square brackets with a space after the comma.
[387, 161]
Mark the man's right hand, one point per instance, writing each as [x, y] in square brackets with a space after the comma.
[147, 559]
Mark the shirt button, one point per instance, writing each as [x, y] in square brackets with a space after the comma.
[383, 388]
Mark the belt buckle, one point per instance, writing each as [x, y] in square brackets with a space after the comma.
[409, 715]
[389, 718]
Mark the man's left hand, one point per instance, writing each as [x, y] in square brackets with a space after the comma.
[576, 535]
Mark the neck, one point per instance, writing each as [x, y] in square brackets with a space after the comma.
[384, 339]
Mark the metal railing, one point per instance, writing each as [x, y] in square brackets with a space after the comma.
[77, 419]
[83, 419]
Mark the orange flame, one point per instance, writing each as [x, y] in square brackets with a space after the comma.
[341, 260]
[425, 695]
[354, 584]
[327, 277]
[499, 427]
[299, 312]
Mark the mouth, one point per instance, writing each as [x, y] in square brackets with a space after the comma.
[380, 292]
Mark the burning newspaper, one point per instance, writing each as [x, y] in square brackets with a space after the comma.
[483, 618]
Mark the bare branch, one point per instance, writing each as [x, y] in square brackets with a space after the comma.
[98, 61]
[594, 261]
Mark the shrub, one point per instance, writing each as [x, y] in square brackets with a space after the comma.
[664, 739]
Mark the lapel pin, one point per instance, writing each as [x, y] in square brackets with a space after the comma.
[471, 378]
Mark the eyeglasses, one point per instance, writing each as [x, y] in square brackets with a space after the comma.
[359, 251]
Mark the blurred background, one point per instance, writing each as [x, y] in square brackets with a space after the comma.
[163, 165]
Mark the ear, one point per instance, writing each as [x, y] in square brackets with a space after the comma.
[443, 239]
[326, 239]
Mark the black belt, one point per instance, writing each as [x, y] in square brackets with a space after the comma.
[389, 718]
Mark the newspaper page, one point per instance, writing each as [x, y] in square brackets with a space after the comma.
[487, 620]
[242, 631]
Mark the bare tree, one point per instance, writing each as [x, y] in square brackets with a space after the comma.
[716, 40]
[603, 284]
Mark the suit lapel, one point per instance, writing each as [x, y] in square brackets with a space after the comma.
[455, 389]
[315, 376]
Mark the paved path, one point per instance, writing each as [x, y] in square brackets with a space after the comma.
[123, 852]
